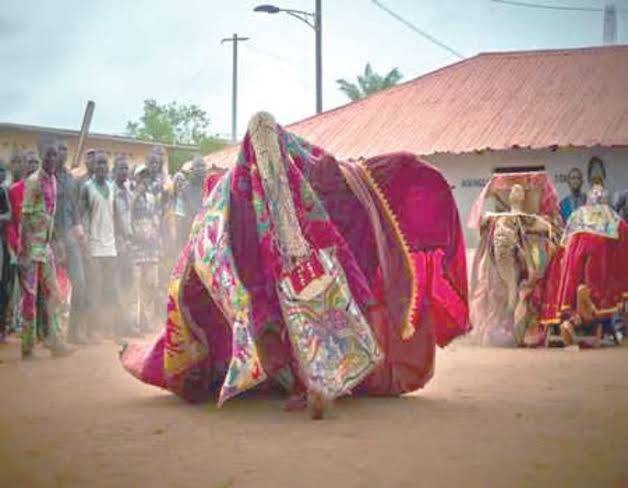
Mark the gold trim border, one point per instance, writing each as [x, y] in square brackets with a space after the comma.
[407, 329]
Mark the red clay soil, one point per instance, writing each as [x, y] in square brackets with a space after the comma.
[490, 417]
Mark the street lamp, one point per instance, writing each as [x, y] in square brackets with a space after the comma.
[314, 21]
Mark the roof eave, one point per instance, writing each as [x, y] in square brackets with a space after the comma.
[93, 135]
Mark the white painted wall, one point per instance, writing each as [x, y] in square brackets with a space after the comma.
[458, 167]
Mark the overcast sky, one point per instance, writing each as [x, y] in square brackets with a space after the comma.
[57, 55]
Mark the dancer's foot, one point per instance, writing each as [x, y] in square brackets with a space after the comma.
[317, 404]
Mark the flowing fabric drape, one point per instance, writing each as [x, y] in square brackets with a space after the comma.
[395, 232]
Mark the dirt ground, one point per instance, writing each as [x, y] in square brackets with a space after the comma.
[490, 417]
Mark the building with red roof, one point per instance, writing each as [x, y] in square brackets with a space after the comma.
[557, 108]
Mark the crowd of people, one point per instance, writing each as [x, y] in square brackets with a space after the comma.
[83, 255]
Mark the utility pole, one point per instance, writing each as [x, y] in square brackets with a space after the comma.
[234, 87]
[318, 27]
[610, 23]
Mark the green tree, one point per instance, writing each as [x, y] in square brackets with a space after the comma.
[175, 124]
[369, 82]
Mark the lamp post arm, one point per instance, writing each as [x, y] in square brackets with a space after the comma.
[301, 12]
[302, 16]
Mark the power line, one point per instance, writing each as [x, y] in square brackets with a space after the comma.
[417, 30]
[554, 7]
[186, 84]
[549, 7]
[270, 55]
[279, 59]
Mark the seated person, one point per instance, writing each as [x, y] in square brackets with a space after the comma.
[594, 277]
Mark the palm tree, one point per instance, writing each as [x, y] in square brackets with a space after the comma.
[369, 82]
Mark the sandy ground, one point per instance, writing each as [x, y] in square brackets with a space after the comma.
[489, 418]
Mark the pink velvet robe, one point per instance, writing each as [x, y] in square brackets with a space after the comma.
[395, 224]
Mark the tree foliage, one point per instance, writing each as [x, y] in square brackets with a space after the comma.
[369, 82]
[175, 123]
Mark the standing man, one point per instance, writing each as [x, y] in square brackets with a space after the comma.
[69, 239]
[576, 198]
[23, 165]
[156, 183]
[123, 233]
[18, 167]
[156, 180]
[37, 265]
[29, 164]
[97, 209]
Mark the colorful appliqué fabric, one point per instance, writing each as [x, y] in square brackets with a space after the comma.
[333, 342]
[233, 319]
[599, 219]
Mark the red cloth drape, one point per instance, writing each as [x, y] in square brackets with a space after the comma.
[599, 263]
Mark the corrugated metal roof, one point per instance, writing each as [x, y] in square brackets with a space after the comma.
[91, 135]
[525, 99]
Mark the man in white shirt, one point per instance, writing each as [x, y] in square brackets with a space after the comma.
[97, 208]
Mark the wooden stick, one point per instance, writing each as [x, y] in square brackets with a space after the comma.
[87, 121]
